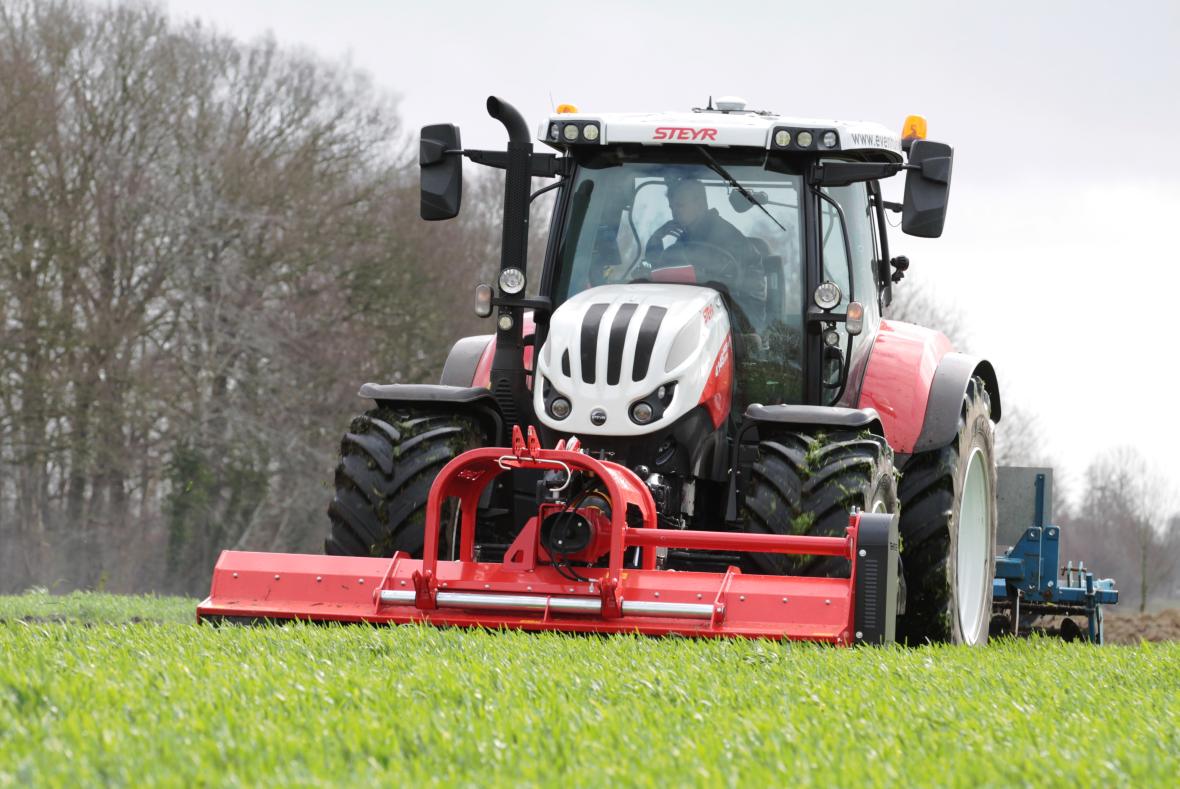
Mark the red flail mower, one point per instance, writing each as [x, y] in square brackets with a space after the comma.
[538, 587]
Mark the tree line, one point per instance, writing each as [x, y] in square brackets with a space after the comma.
[205, 247]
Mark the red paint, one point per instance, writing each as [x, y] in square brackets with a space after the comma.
[898, 377]
[348, 589]
[685, 133]
[680, 275]
[483, 369]
[719, 388]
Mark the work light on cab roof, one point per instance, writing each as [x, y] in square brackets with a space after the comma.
[724, 123]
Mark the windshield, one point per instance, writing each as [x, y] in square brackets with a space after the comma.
[681, 221]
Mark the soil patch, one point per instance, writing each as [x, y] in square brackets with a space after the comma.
[1133, 628]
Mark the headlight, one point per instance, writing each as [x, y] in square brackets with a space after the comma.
[803, 138]
[570, 132]
[827, 295]
[512, 281]
[559, 408]
[641, 412]
[590, 132]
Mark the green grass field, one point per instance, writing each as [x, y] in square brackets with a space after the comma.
[99, 689]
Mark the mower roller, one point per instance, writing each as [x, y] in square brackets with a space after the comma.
[741, 442]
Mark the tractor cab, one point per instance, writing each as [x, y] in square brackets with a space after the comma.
[782, 217]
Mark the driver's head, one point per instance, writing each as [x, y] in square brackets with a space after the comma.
[687, 200]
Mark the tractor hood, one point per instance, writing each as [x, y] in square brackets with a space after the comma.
[624, 360]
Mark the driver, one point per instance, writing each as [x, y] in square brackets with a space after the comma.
[695, 228]
[694, 223]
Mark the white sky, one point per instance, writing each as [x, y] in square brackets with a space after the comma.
[1064, 117]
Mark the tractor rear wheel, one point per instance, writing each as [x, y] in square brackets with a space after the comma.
[948, 531]
[804, 483]
[388, 460]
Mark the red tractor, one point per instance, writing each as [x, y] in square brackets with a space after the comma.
[708, 317]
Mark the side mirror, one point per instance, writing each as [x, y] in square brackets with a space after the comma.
[441, 170]
[927, 189]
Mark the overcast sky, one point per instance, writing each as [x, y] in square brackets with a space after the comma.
[1060, 246]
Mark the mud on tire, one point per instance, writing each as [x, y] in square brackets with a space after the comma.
[932, 495]
[388, 460]
[804, 483]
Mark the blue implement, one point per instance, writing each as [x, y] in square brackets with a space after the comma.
[1030, 583]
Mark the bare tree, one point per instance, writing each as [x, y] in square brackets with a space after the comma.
[205, 247]
[1124, 526]
[915, 303]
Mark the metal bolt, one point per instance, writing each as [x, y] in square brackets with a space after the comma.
[443, 584]
[403, 583]
[276, 576]
[319, 578]
[859, 634]
[360, 580]
[827, 602]
[657, 594]
[742, 598]
[571, 588]
[528, 588]
[699, 595]
[1050, 583]
[235, 575]
[862, 552]
[784, 599]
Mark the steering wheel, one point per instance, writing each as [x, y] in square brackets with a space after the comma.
[711, 261]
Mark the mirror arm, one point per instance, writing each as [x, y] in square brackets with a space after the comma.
[542, 165]
[847, 173]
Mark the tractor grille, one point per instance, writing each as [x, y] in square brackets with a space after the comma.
[649, 329]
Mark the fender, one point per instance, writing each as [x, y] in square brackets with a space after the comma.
[476, 400]
[464, 358]
[805, 416]
[941, 421]
[915, 381]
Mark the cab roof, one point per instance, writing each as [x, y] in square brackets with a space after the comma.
[722, 128]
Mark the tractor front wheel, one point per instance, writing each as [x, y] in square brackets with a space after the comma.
[388, 461]
[808, 483]
[948, 531]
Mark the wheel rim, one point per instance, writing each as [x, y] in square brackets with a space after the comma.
[972, 557]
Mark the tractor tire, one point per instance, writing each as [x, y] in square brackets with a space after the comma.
[948, 531]
[804, 483]
[388, 461]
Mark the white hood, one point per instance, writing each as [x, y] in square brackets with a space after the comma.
[616, 345]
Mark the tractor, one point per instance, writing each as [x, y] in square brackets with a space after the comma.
[705, 345]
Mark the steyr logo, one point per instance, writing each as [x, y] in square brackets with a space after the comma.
[684, 133]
